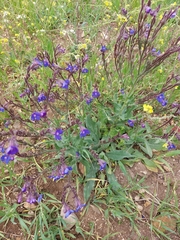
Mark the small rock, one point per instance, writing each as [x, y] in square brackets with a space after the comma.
[136, 198]
[70, 221]
[29, 205]
[139, 207]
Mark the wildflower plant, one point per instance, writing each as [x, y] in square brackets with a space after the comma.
[69, 113]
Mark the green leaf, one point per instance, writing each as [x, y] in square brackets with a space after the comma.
[118, 155]
[88, 187]
[150, 165]
[113, 182]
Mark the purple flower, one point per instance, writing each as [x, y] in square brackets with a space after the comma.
[89, 100]
[63, 83]
[122, 91]
[171, 146]
[131, 123]
[12, 148]
[103, 48]
[173, 15]
[2, 149]
[41, 97]
[131, 31]
[125, 136]
[155, 52]
[35, 116]
[143, 125]
[58, 133]
[147, 9]
[36, 63]
[72, 68]
[84, 132]
[43, 113]
[102, 164]
[124, 11]
[161, 99]
[85, 70]
[2, 109]
[96, 93]
[67, 210]
[7, 158]
[26, 92]
[78, 205]
[60, 172]
[30, 190]
[125, 35]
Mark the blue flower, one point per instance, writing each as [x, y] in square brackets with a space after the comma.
[67, 210]
[41, 97]
[131, 123]
[103, 48]
[147, 9]
[96, 93]
[173, 15]
[102, 164]
[78, 205]
[12, 148]
[89, 100]
[155, 52]
[30, 190]
[63, 83]
[171, 146]
[60, 172]
[58, 133]
[85, 70]
[84, 132]
[2, 109]
[131, 31]
[72, 68]
[35, 116]
[7, 158]
[161, 99]
[43, 113]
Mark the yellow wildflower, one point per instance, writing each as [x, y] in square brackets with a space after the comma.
[102, 78]
[160, 70]
[3, 40]
[121, 18]
[17, 61]
[82, 46]
[147, 108]
[176, 87]
[108, 4]
[161, 41]
[165, 145]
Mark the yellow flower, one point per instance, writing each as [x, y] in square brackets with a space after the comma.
[174, 4]
[102, 78]
[82, 46]
[176, 87]
[160, 70]
[165, 145]
[108, 4]
[17, 61]
[161, 41]
[147, 108]
[3, 40]
[121, 18]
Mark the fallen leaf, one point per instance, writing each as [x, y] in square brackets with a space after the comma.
[162, 223]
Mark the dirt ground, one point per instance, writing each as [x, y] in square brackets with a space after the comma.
[156, 188]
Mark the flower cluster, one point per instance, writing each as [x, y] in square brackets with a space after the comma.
[29, 189]
[60, 171]
[36, 116]
[147, 108]
[9, 153]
